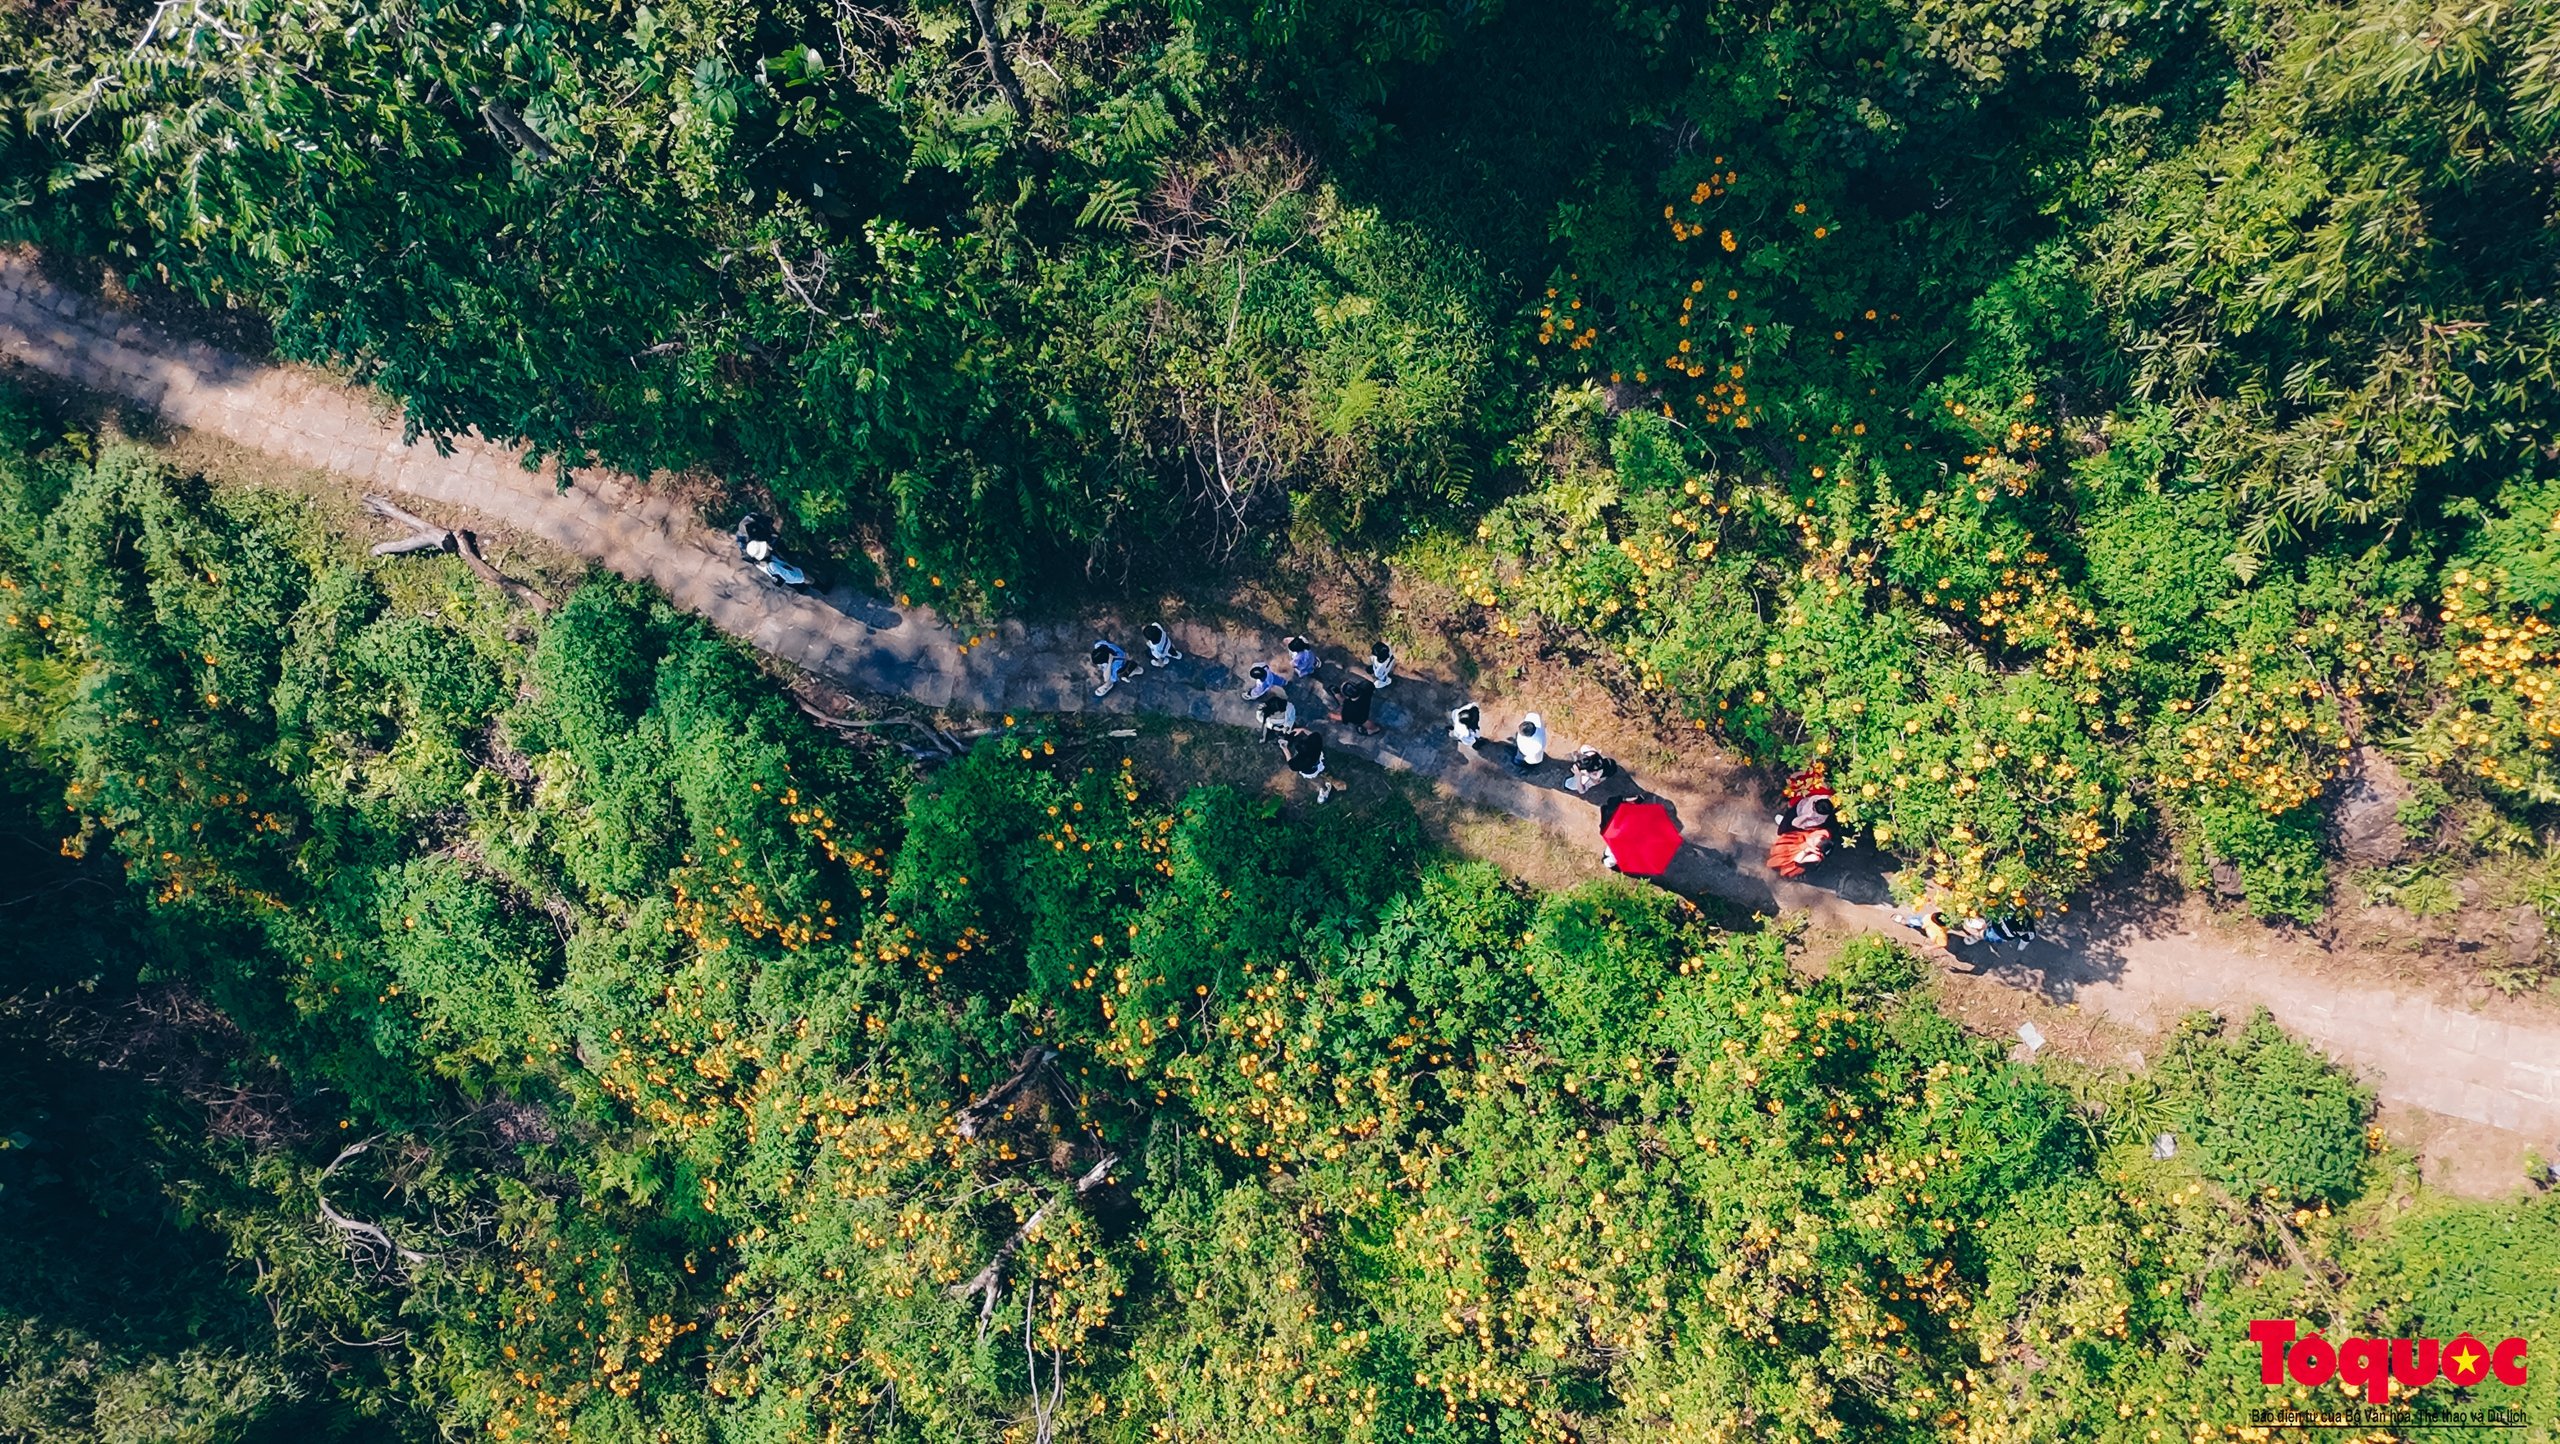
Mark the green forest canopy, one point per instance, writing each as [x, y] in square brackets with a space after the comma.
[2063, 419]
[2060, 417]
[421, 1025]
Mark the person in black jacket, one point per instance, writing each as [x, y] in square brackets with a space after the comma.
[1353, 710]
[1303, 749]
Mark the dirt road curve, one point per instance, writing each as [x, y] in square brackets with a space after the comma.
[2503, 1071]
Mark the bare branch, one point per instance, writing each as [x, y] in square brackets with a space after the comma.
[469, 546]
[357, 1229]
[977, 1114]
[423, 541]
[791, 280]
[943, 743]
[997, 65]
[984, 1280]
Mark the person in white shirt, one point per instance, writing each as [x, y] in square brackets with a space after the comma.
[1466, 724]
[1382, 666]
[1278, 714]
[1529, 745]
[1160, 648]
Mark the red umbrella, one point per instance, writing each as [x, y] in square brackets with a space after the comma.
[1642, 837]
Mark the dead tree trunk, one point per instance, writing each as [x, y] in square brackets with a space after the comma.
[985, 14]
[978, 1113]
[426, 536]
[983, 1283]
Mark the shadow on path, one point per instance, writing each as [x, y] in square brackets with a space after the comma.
[2127, 957]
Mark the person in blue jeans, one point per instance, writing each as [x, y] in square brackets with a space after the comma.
[1110, 664]
[1529, 745]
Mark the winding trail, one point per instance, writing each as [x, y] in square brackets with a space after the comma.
[2412, 1049]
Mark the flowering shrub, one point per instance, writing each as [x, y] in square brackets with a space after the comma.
[845, 1102]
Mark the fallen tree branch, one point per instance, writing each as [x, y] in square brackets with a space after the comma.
[977, 1114]
[984, 1281]
[942, 741]
[470, 549]
[425, 535]
[357, 1228]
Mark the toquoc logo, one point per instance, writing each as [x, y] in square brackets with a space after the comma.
[2373, 1365]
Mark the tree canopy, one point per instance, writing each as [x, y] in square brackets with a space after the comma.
[2095, 433]
[2065, 420]
[542, 1032]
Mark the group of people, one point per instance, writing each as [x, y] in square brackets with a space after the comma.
[1267, 685]
[1808, 826]
[1111, 660]
[1808, 820]
[1354, 700]
[1529, 747]
[1302, 747]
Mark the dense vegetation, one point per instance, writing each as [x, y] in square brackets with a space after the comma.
[421, 1022]
[2106, 414]
[2063, 418]
[2066, 419]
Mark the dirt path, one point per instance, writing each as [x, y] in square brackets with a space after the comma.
[2141, 967]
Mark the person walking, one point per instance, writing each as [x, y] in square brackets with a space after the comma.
[1590, 769]
[1263, 679]
[1353, 710]
[1160, 648]
[1529, 744]
[1303, 750]
[1466, 725]
[1303, 660]
[1110, 664]
[1995, 931]
[1808, 813]
[1278, 714]
[1382, 666]
[1929, 923]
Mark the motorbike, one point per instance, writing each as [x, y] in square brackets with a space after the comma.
[781, 573]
